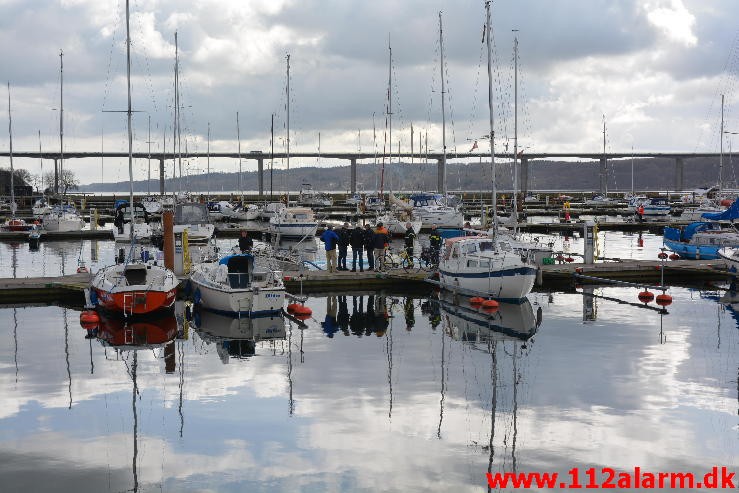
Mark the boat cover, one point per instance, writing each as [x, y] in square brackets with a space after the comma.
[686, 233]
[728, 215]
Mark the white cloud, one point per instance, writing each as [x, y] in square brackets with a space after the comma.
[673, 19]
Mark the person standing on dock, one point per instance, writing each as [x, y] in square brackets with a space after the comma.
[380, 241]
[435, 244]
[410, 241]
[330, 238]
[356, 240]
[245, 243]
[343, 234]
[369, 242]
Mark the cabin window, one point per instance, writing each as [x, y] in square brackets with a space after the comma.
[504, 246]
[259, 276]
[469, 248]
[472, 263]
[485, 264]
[486, 246]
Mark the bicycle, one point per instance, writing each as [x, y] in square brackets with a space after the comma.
[409, 263]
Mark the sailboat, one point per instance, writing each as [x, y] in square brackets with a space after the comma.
[292, 222]
[133, 287]
[62, 217]
[485, 264]
[14, 223]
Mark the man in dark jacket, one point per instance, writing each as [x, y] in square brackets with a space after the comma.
[344, 232]
[356, 240]
[245, 243]
[410, 240]
[435, 244]
[369, 241]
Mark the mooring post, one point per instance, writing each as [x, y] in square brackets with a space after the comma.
[353, 174]
[589, 237]
[260, 176]
[168, 227]
[679, 173]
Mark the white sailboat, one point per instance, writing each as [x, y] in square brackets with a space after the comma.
[133, 287]
[62, 217]
[14, 223]
[292, 222]
[486, 264]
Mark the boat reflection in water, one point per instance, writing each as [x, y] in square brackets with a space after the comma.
[237, 337]
[467, 322]
[140, 334]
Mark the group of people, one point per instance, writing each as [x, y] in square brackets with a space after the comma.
[363, 240]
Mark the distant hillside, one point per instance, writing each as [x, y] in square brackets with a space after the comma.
[649, 174]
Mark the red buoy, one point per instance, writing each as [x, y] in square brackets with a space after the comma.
[291, 307]
[490, 304]
[662, 255]
[664, 299]
[302, 316]
[569, 260]
[646, 296]
[476, 300]
[674, 256]
[89, 317]
[303, 310]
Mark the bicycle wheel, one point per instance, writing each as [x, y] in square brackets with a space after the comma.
[389, 262]
[411, 264]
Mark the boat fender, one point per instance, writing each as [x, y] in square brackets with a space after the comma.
[664, 299]
[646, 296]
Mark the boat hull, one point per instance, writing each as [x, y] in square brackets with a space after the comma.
[293, 230]
[509, 284]
[247, 302]
[693, 252]
[135, 302]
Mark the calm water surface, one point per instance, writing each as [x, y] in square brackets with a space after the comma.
[377, 393]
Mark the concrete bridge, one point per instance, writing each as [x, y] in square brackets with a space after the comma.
[354, 157]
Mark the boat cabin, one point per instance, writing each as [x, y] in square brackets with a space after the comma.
[191, 213]
[240, 271]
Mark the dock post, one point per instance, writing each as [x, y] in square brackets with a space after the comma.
[168, 243]
[679, 173]
[353, 174]
[260, 176]
[589, 237]
[161, 175]
[524, 178]
[589, 313]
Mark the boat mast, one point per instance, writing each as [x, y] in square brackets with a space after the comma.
[271, 153]
[41, 162]
[238, 140]
[61, 122]
[389, 115]
[12, 170]
[443, 111]
[178, 133]
[490, 110]
[130, 129]
[515, 132]
[287, 154]
[207, 180]
[605, 160]
[721, 152]
[148, 175]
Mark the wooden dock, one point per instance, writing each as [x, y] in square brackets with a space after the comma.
[681, 272]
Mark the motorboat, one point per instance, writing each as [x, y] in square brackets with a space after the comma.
[193, 218]
[601, 201]
[293, 222]
[239, 211]
[656, 208]
[270, 210]
[431, 209]
[310, 198]
[234, 286]
[62, 218]
[374, 202]
[236, 338]
[355, 199]
[478, 265]
[16, 224]
[692, 214]
[153, 205]
[731, 256]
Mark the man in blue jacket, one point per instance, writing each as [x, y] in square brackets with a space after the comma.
[330, 238]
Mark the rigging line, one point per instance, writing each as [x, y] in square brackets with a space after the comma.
[116, 23]
[493, 348]
[475, 87]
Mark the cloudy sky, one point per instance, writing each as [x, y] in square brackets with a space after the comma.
[655, 68]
